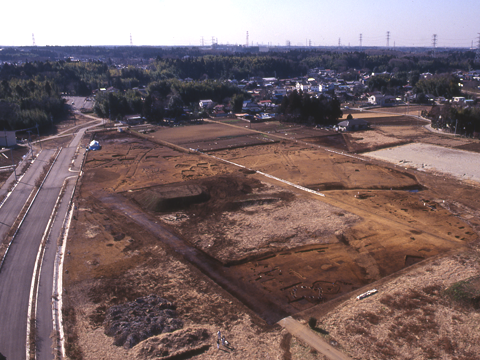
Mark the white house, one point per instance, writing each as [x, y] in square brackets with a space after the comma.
[326, 87]
[375, 99]
[204, 104]
[352, 125]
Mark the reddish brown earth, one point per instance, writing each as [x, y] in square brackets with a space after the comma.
[236, 250]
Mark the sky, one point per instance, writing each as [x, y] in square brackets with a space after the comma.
[268, 22]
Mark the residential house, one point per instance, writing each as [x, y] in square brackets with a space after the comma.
[219, 111]
[375, 98]
[352, 125]
[205, 104]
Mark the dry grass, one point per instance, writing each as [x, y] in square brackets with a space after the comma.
[413, 317]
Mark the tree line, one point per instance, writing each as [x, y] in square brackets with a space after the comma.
[30, 93]
[464, 120]
[302, 108]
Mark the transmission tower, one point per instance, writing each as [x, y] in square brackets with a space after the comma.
[339, 42]
[360, 40]
[131, 41]
[247, 39]
[33, 40]
[477, 56]
[388, 39]
[434, 43]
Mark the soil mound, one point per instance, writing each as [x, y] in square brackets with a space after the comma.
[138, 320]
[226, 194]
[170, 198]
[181, 344]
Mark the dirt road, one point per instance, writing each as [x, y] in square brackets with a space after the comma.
[303, 333]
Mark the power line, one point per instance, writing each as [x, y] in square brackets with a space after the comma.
[477, 55]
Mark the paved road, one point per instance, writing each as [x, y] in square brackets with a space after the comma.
[313, 340]
[17, 272]
[14, 204]
[16, 275]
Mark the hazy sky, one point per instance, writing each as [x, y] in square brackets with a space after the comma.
[181, 22]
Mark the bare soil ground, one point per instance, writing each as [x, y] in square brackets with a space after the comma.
[401, 120]
[288, 249]
[434, 158]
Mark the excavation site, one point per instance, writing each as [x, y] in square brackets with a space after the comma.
[237, 226]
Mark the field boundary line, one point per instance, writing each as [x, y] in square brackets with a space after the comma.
[264, 174]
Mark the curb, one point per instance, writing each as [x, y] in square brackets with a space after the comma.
[26, 213]
[38, 254]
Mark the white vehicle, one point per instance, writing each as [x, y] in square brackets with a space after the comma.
[367, 294]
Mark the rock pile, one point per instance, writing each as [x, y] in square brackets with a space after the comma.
[138, 320]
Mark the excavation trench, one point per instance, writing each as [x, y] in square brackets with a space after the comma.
[227, 277]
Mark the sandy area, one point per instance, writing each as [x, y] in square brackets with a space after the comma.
[436, 159]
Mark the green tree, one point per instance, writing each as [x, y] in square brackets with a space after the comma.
[236, 102]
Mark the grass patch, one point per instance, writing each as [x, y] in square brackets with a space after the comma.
[465, 292]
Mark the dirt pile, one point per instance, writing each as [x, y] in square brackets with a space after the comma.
[181, 344]
[170, 197]
[138, 320]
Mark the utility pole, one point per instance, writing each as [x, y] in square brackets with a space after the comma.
[11, 154]
[477, 55]
[388, 39]
[38, 134]
[434, 43]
